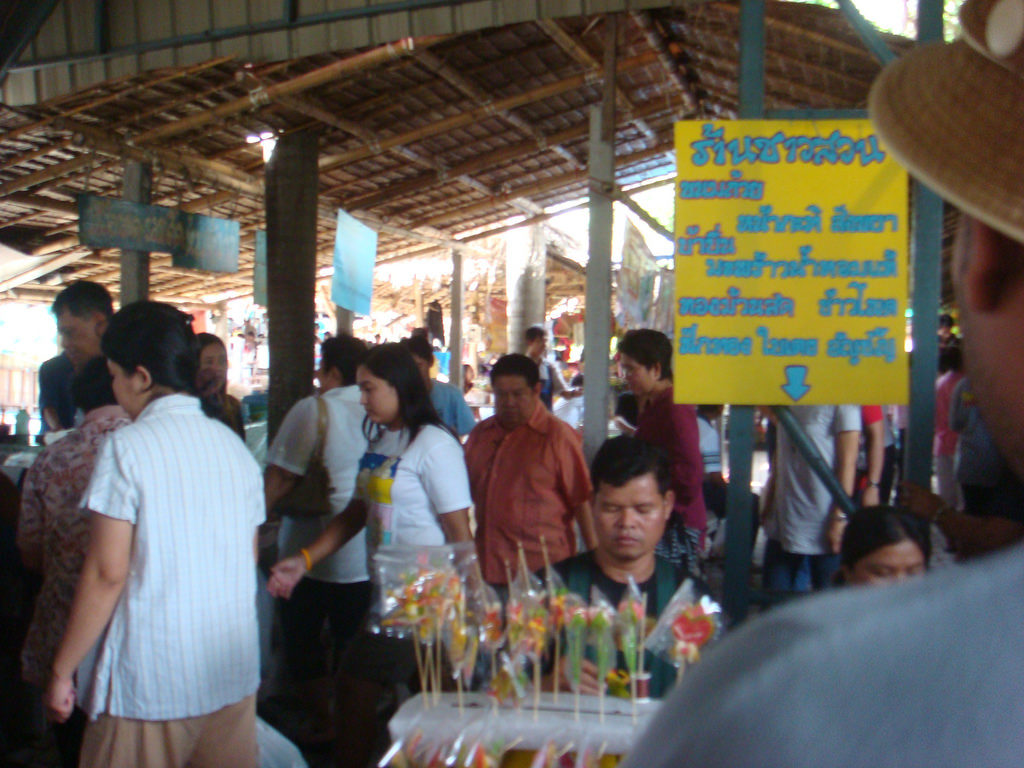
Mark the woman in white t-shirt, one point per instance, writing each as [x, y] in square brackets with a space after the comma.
[412, 489]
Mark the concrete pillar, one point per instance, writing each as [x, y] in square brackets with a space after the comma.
[291, 200]
[597, 333]
[345, 318]
[138, 184]
[421, 319]
[455, 333]
[220, 321]
[525, 275]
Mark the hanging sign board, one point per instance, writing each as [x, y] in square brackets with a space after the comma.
[194, 241]
[791, 268]
[355, 253]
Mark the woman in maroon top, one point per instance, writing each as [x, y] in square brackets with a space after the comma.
[645, 358]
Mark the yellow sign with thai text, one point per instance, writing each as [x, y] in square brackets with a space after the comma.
[791, 264]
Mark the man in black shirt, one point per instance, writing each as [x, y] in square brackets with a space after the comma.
[632, 504]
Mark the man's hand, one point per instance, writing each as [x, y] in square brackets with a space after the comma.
[285, 575]
[836, 527]
[588, 677]
[59, 699]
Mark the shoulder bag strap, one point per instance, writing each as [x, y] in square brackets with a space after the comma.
[321, 429]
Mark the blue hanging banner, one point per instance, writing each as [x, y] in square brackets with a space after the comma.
[194, 241]
[355, 253]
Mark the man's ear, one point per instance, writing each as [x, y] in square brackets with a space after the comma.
[994, 268]
[670, 500]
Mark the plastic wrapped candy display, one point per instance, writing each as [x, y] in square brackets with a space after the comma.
[688, 625]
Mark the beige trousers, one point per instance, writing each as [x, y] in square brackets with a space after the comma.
[222, 739]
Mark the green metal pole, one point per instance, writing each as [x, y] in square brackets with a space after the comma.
[736, 592]
[926, 265]
[868, 34]
[814, 459]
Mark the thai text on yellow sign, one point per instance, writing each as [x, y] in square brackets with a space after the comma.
[791, 269]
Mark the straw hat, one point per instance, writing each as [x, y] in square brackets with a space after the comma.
[953, 114]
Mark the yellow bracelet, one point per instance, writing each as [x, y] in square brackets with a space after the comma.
[309, 560]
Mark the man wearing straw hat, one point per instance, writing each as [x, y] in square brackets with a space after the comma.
[929, 673]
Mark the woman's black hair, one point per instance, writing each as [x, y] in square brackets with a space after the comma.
[204, 340]
[92, 387]
[871, 528]
[648, 347]
[394, 364]
[157, 337]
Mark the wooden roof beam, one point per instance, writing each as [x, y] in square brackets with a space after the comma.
[334, 71]
[776, 55]
[657, 42]
[34, 154]
[214, 172]
[49, 173]
[528, 190]
[40, 203]
[807, 34]
[578, 51]
[719, 67]
[644, 216]
[173, 75]
[328, 162]
[486, 160]
[461, 83]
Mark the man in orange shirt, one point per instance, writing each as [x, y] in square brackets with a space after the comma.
[527, 475]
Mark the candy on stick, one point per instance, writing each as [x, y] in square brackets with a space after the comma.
[419, 587]
[557, 594]
[602, 623]
[576, 623]
[486, 610]
[686, 626]
[632, 617]
[527, 608]
[461, 639]
[508, 681]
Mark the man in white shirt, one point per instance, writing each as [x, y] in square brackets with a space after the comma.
[801, 519]
[336, 590]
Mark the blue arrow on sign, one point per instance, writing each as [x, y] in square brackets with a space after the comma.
[795, 387]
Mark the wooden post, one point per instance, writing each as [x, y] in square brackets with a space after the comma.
[138, 183]
[291, 200]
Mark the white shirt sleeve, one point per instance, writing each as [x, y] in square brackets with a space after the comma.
[442, 470]
[847, 419]
[111, 491]
[294, 441]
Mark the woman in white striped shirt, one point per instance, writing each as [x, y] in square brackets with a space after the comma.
[168, 585]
